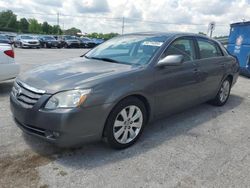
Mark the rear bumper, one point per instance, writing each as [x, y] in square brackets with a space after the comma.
[9, 71]
[62, 127]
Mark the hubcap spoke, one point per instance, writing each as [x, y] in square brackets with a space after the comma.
[136, 116]
[119, 133]
[132, 133]
[224, 92]
[136, 124]
[124, 114]
[119, 123]
[131, 111]
[125, 136]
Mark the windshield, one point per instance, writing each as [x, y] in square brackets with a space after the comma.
[128, 49]
[69, 37]
[49, 38]
[86, 39]
[26, 37]
[3, 37]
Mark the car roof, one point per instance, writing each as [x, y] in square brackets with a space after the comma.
[172, 34]
[168, 34]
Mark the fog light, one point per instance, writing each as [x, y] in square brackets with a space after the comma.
[52, 134]
[56, 134]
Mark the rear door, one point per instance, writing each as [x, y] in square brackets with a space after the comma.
[177, 87]
[211, 67]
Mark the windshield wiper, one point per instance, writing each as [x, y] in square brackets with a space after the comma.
[103, 59]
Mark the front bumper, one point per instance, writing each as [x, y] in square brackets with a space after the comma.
[53, 44]
[63, 127]
[30, 45]
[74, 45]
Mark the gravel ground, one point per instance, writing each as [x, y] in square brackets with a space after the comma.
[205, 146]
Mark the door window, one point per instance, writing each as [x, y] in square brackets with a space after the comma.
[183, 47]
[208, 49]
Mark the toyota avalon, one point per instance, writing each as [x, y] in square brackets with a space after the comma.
[115, 89]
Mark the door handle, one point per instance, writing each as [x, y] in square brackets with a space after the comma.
[196, 71]
[197, 74]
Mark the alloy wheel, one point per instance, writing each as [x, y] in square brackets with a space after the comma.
[128, 124]
[224, 91]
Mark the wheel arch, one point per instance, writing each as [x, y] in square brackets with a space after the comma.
[230, 77]
[139, 96]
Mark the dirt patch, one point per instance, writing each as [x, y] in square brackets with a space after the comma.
[62, 173]
[21, 170]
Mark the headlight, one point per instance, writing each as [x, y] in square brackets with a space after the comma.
[67, 99]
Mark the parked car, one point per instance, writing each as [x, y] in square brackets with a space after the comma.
[8, 68]
[5, 39]
[26, 41]
[87, 42]
[68, 41]
[115, 89]
[97, 41]
[49, 42]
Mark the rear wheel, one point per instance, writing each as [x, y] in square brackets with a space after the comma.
[223, 94]
[125, 123]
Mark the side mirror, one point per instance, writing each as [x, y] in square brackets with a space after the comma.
[171, 60]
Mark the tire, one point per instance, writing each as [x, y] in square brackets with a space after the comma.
[223, 94]
[125, 123]
[66, 45]
[44, 45]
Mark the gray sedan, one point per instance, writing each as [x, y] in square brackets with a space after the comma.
[115, 89]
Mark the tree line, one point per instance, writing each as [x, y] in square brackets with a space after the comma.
[9, 22]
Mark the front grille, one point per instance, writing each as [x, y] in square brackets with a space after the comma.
[32, 129]
[27, 96]
[32, 42]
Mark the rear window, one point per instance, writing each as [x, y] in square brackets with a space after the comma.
[26, 37]
[208, 49]
[3, 37]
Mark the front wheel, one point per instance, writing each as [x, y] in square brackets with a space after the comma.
[125, 123]
[223, 94]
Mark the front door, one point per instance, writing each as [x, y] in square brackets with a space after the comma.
[176, 87]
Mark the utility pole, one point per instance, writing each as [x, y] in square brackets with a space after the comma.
[58, 28]
[122, 25]
[211, 27]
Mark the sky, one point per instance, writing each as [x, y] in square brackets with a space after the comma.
[139, 15]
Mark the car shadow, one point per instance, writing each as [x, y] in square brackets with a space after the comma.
[5, 87]
[98, 154]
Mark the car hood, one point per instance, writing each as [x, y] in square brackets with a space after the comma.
[77, 73]
[29, 40]
[51, 40]
[73, 40]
